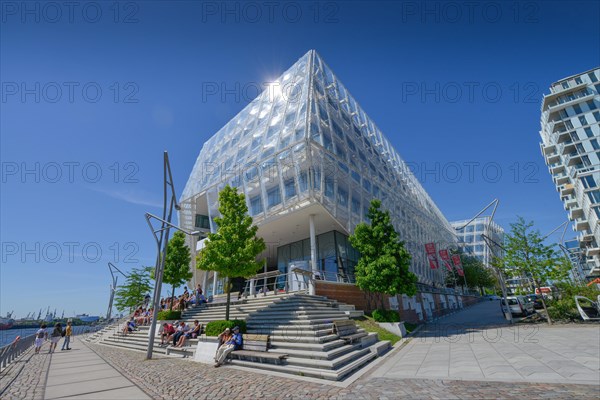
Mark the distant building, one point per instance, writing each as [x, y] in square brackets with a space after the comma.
[570, 132]
[472, 242]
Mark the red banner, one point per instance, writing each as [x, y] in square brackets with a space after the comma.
[445, 256]
[458, 264]
[431, 255]
[456, 260]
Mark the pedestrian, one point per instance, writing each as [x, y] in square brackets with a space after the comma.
[55, 337]
[68, 333]
[40, 337]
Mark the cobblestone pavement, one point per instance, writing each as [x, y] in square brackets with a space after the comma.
[167, 378]
[26, 377]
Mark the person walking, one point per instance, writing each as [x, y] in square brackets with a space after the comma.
[68, 333]
[40, 337]
[55, 337]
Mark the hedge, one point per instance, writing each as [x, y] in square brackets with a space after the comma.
[168, 315]
[214, 328]
[382, 315]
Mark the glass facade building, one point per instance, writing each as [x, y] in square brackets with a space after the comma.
[570, 132]
[471, 241]
[309, 159]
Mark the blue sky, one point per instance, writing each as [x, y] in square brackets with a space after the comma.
[92, 96]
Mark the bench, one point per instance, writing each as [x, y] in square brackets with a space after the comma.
[256, 349]
[347, 330]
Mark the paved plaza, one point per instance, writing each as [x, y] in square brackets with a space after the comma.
[472, 354]
[478, 344]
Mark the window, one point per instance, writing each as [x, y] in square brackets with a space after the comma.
[577, 109]
[578, 80]
[582, 120]
[303, 181]
[202, 221]
[255, 205]
[355, 205]
[588, 181]
[273, 197]
[290, 188]
[588, 132]
[591, 105]
[367, 185]
[597, 211]
[565, 85]
[597, 116]
[595, 144]
[594, 196]
[593, 77]
[329, 187]
[355, 176]
[342, 197]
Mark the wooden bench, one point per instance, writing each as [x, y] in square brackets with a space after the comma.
[256, 349]
[347, 330]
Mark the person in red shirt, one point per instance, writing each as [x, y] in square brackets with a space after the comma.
[167, 331]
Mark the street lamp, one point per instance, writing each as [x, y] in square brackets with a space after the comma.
[161, 236]
[112, 268]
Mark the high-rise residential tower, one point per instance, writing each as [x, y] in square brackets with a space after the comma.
[570, 131]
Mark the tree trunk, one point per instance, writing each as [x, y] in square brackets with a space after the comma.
[172, 295]
[543, 302]
[228, 289]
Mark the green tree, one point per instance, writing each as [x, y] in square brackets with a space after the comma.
[384, 261]
[137, 285]
[232, 250]
[527, 255]
[177, 263]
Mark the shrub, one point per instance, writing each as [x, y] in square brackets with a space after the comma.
[382, 315]
[168, 315]
[214, 328]
[564, 309]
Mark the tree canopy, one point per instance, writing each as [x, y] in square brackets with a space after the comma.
[136, 287]
[232, 249]
[526, 255]
[383, 266]
[177, 262]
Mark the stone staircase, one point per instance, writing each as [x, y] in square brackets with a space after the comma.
[300, 326]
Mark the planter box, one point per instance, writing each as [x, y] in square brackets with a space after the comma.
[397, 328]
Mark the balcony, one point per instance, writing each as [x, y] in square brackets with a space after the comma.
[573, 159]
[556, 168]
[575, 212]
[585, 237]
[570, 202]
[553, 158]
[581, 224]
[561, 179]
[563, 136]
[570, 102]
[592, 251]
[547, 148]
[567, 189]
[566, 147]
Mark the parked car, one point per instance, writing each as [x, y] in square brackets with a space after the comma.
[528, 304]
[517, 306]
[536, 299]
[491, 297]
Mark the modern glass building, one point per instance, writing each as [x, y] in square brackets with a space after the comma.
[570, 131]
[309, 161]
[471, 241]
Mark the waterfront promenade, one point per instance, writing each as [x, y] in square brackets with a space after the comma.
[92, 371]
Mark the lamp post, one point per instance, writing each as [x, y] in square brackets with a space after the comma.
[112, 268]
[158, 274]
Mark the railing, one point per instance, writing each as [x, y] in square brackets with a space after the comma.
[10, 352]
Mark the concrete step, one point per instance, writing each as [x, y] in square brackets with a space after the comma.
[304, 339]
[318, 354]
[308, 346]
[308, 371]
[333, 364]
